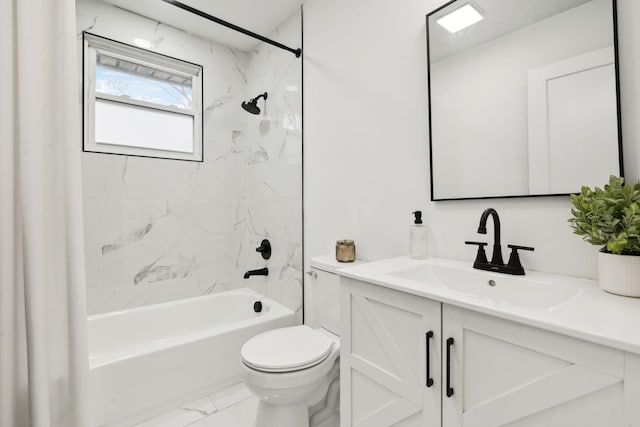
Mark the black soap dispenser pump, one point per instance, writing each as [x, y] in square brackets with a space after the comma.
[417, 237]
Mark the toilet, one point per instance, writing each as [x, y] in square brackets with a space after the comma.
[294, 371]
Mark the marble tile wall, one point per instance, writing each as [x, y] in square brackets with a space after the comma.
[159, 230]
[274, 164]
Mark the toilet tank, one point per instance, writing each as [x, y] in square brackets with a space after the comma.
[322, 294]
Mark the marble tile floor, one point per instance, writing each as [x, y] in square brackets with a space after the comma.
[234, 406]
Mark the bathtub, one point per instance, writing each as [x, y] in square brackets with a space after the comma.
[147, 360]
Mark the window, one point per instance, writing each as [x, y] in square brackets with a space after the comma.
[140, 103]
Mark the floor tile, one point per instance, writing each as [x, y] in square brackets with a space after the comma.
[242, 414]
[203, 406]
[234, 406]
[175, 418]
[230, 396]
[182, 416]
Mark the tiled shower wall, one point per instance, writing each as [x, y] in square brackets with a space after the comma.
[274, 164]
[159, 230]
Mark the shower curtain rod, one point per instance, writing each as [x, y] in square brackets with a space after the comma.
[296, 52]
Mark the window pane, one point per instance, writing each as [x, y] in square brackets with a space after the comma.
[124, 124]
[118, 77]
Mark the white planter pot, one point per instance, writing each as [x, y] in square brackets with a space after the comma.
[619, 274]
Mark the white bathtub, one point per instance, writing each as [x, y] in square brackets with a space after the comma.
[150, 359]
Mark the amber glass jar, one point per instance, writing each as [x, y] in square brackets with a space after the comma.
[345, 251]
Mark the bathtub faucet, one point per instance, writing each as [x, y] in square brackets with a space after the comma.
[259, 272]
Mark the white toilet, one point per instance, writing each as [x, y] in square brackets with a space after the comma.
[294, 371]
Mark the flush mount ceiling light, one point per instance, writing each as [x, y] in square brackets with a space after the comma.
[143, 43]
[460, 18]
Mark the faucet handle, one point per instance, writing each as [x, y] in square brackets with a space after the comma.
[264, 249]
[514, 259]
[481, 256]
[524, 248]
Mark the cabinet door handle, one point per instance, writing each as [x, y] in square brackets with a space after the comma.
[428, 337]
[449, 388]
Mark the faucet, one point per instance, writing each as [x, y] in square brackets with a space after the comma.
[258, 272]
[496, 257]
[497, 264]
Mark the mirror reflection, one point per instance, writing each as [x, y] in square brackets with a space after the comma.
[523, 97]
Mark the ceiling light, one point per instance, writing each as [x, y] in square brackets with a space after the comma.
[460, 18]
[145, 44]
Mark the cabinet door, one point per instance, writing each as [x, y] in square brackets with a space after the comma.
[320, 308]
[506, 374]
[383, 365]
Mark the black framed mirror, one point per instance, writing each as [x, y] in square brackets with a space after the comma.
[523, 97]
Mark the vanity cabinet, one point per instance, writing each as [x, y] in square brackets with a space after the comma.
[507, 374]
[486, 371]
[385, 338]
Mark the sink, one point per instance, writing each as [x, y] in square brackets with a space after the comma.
[497, 289]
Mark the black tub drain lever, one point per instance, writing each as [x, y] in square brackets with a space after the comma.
[257, 306]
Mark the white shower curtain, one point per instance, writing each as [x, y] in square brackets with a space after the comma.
[43, 344]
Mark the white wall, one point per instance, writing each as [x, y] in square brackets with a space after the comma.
[366, 148]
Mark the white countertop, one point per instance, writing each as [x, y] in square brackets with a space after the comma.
[329, 263]
[593, 315]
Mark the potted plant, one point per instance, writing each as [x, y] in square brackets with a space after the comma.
[610, 218]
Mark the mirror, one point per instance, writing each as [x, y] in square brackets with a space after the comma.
[523, 97]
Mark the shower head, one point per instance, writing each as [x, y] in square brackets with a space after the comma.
[252, 105]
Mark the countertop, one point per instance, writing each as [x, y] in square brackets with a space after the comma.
[592, 315]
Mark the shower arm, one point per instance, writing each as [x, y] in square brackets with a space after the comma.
[263, 95]
[296, 52]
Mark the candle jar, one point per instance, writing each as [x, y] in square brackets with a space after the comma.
[345, 251]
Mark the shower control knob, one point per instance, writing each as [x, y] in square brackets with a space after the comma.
[264, 249]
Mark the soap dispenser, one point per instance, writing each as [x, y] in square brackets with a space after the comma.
[417, 237]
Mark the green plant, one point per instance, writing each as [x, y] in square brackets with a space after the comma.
[609, 217]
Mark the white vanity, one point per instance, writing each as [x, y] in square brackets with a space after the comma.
[436, 343]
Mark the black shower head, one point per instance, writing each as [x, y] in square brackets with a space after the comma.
[252, 105]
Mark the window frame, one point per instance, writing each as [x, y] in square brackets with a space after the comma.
[93, 45]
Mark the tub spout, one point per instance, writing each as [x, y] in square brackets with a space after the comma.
[259, 272]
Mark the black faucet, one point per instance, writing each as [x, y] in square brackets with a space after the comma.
[497, 264]
[496, 257]
[258, 272]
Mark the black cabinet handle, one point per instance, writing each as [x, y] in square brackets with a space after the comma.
[449, 388]
[428, 336]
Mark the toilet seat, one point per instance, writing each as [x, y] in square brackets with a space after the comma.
[286, 349]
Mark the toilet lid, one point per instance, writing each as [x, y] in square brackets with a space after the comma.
[286, 349]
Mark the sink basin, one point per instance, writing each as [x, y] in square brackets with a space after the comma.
[497, 289]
